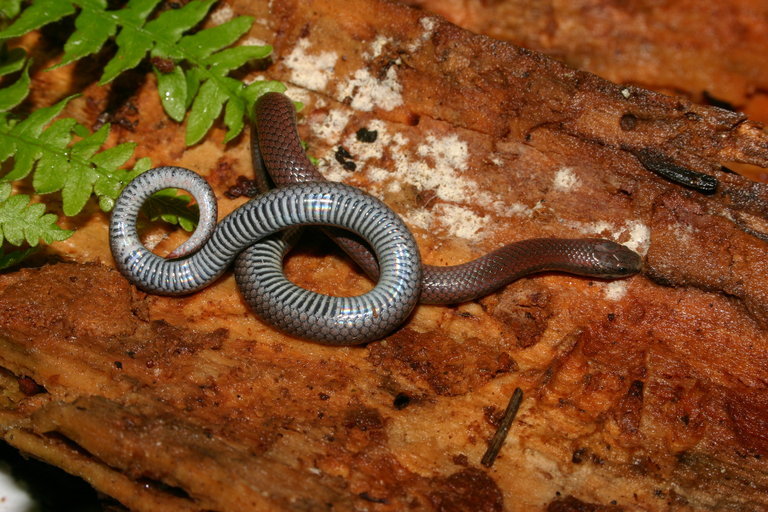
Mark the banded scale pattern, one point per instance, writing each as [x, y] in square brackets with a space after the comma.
[300, 312]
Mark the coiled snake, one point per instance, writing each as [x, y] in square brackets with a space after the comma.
[304, 197]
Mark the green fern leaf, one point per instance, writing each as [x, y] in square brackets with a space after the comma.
[133, 44]
[196, 47]
[22, 221]
[39, 14]
[12, 137]
[172, 207]
[177, 88]
[13, 258]
[234, 113]
[9, 9]
[208, 89]
[173, 88]
[136, 39]
[12, 60]
[170, 25]
[230, 59]
[92, 30]
[220, 89]
[205, 109]
[107, 187]
[48, 177]
[198, 59]
[77, 170]
[15, 94]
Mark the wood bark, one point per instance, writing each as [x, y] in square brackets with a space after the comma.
[646, 393]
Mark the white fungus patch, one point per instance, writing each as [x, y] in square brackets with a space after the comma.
[428, 24]
[378, 45]
[379, 174]
[639, 237]
[599, 227]
[439, 170]
[443, 158]
[447, 151]
[458, 221]
[566, 180]
[364, 92]
[639, 234]
[504, 209]
[437, 165]
[368, 92]
[310, 71]
[365, 151]
[615, 290]
[254, 41]
[332, 125]
[495, 160]
[333, 172]
[222, 15]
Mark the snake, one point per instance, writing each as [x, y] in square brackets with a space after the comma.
[279, 159]
[257, 236]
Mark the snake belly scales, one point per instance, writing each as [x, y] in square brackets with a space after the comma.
[303, 197]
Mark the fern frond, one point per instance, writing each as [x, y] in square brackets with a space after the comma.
[59, 155]
[195, 66]
[206, 86]
[75, 169]
[22, 221]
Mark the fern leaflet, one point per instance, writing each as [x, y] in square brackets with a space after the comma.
[9, 9]
[77, 170]
[22, 221]
[170, 206]
[9, 259]
[194, 67]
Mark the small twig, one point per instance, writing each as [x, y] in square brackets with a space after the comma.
[501, 433]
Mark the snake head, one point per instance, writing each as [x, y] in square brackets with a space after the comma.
[616, 260]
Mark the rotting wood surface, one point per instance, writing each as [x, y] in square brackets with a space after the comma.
[708, 51]
[644, 393]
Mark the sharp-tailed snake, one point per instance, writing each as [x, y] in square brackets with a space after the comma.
[304, 197]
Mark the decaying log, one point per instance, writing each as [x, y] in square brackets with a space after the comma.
[650, 392]
[710, 52]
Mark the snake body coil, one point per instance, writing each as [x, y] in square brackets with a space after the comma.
[333, 320]
[305, 198]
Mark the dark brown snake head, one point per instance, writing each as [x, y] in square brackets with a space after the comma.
[616, 260]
